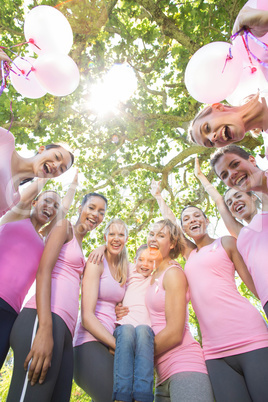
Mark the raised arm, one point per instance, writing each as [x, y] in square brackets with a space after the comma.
[175, 285]
[64, 208]
[231, 223]
[40, 354]
[253, 19]
[90, 292]
[229, 244]
[23, 209]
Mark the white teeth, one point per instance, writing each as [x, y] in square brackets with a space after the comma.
[241, 178]
[224, 134]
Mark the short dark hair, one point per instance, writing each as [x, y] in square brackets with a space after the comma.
[89, 195]
[229, 149]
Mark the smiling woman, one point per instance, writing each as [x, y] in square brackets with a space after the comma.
[50, 161]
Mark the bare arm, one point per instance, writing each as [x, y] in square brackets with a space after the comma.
[64, 208]
[42, 348]
[175, 285]
[23, 209]
[90, 292]
[229, 244]
[253, 19]
[231, 223]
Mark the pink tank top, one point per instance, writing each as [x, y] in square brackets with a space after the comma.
[229, 323]
[65, 283]
[110, 293]
[188, 356]
[21, 249]
[134, 299]
[8, 195]
[252, 243]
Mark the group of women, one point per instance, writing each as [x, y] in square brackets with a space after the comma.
[52, 345]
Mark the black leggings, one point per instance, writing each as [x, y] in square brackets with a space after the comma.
[240, 378]
[93, 370]
[265, 308]
[7, 318]
[58, 382]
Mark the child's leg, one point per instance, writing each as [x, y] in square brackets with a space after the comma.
[124, 363]
[144, 364]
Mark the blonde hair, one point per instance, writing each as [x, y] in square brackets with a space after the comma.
[122, 265]
[176, 237]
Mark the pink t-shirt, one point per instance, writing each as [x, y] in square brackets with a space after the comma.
[188, 355]
[65, 284]
[110, 293]
[21, 249]
[134, 299]
[8, 195]
[229, 323]
[251, 243]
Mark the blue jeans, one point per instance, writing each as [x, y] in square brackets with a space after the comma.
[134, 363]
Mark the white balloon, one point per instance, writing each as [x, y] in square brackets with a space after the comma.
[26, 85]
[209, 77]
[47, 28]
[57, 73]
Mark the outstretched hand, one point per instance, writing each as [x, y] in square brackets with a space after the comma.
[253, 19]
[39, 357]
[197, 169]
[3, 57]
[155, 189]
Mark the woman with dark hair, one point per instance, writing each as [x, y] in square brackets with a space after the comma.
[41, 337]
[236, 356]
[50, 161]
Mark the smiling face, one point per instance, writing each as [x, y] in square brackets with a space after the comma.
[239, 173]
[92, 213]
[145, 263]
[194, 223]
[51, 162]
[159, 242]
[116, 238]
[241, 205]
[46, 207]
[220, 127]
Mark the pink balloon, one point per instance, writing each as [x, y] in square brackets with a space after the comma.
[47, 28]
[57, 73]
[249, 84]
[209, 77]
[26, 85]
[262, 4]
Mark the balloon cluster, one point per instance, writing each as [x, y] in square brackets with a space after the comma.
[50, 36]
[220, 70]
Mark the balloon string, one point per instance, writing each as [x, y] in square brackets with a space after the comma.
[63, 2]
[228, 57]
[253, 69]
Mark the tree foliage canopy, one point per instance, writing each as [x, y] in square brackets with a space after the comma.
[156, 38]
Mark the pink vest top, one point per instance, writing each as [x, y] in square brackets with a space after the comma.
[188, 356]
[65, 283]
[8, 195]
[229, 323]
[252, 243]
[110, 293]
[134, 299]
[20, 252]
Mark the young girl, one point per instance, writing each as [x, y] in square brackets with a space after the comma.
[20, 238]
[134, 352]
[42, 334]
[179, 361]
[102, 288]
[50, 161]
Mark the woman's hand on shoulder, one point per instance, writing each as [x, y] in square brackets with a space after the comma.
[97, 256]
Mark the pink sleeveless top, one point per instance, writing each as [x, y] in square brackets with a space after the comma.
[134, 299]
[110, 293]
[188, 355]
[8, 195]
[21, 249]
[65, 283]
[229, 323]
[252, 243]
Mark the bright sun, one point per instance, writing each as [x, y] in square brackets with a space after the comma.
[117, 86]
